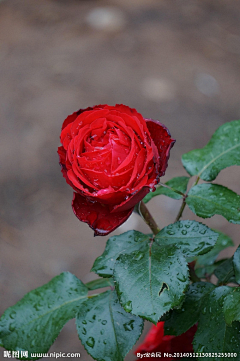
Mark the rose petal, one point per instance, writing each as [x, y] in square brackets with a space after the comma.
[71, 118]
[62, 159]
[155, 341]
[112, 157]
[131, 201]
[97, 215]
[163, 141]
[86, 118]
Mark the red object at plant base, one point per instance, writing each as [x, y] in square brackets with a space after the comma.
[112, 157]
[155, 341]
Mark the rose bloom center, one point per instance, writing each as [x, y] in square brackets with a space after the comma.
[104, 154]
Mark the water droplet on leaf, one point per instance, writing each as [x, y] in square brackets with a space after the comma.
[11, 327]
[90, 342]
[13, 314]
[128, 306]
[128, 326]
[139, 256]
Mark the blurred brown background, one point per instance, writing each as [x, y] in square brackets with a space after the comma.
[176, 61]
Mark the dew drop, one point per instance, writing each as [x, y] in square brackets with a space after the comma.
[171, 233]
[32, 344]
[38, 306]
[84, 331]
[11, 327]
[13, 315]
[182, 278]
[184, 232]
[139, 256]
[90, 342]
[128, 306]
[128, 326]
[104, 322]
[105, 342]
[84, 322]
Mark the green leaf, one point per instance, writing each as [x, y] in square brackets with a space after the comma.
[225, 272]
[124, 243]
[145, 283]
[231, 306]
[99, 283]
[221, 152]
[152, 279]
[36, 320]
[236, 264]
[209, 258]
[182, 319]
[206, 200]
[107, 332]
[178, 183]
[192, 237]
[201, 272]
[213, 334]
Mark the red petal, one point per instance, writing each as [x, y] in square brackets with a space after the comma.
[71, 118]
[163, 141]
[97, 215]
[62, 162]
[74, 115]
[131, 201]
[155, 341]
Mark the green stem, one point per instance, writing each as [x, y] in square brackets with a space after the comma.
[196, 182]
[184, 202]
[148, 218]
[181, 209]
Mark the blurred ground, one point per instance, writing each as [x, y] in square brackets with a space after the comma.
[176, 61]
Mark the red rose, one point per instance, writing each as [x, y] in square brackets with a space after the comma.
[112, 157]
[155, 342]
